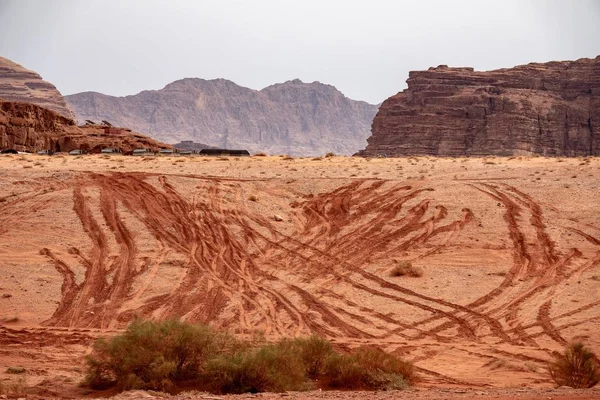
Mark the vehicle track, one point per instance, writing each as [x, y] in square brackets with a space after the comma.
[229, 264]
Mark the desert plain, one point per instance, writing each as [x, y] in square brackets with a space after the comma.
[509, 250]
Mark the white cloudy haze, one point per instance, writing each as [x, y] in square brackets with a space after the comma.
[364, 48]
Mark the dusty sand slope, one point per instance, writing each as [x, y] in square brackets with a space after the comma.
[510, 250]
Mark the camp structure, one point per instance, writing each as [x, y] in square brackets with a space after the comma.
[224, 152]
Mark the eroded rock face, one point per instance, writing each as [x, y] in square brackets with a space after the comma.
[31, 128]
[550, 109]
[289, 118]
[20, 84]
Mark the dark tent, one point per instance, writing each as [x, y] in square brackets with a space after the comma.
[223, 152]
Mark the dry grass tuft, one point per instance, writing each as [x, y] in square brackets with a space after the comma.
[405, 268]
[15, 370]
[576, 367]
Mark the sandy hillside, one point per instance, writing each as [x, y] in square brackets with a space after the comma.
[509, 248]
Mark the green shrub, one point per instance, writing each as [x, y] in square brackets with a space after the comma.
[314, 351]
[269, 368]
[368, 368]
[576, 367]
[169, 355]
[153, 355]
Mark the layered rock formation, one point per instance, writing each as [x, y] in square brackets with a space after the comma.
[28, 127]
[293, 117]
[549, 109]
[20, 84]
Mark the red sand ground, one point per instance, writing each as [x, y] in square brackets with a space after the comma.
[510, 250]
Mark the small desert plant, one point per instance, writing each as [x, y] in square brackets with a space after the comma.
[405, 268]
[314, 352]
[253, 197]
[261, 154]
[368, 368]
[15, 370]
[271, 368]
[330, 154]
[577, 367]
[153, 355]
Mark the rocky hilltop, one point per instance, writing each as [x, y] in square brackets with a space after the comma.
[293, 117]
[28, 127]
[549, 109]
[20, 84]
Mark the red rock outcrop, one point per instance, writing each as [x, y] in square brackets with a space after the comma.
[293, 117]
[20, 84]
[549, 109]
[28, 127]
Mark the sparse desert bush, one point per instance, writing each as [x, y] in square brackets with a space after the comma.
[15, 370]
[314, 352]
[253, 197]
[269, 368]
[153, 355]
[368, 368]
[261, 154]
[405, 268]
[576, 367]
[168, 355]
[330, 154]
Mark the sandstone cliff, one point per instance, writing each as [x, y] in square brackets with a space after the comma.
[293, 117]
[549, 109]
[28, 127]
[20, 84]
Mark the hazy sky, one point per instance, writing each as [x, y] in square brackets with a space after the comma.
[364, 48]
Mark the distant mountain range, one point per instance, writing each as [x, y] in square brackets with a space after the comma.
[294, 117]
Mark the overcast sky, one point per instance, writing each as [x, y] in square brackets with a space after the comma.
[364, 48]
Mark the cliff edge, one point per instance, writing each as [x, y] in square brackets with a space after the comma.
[550, 109]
